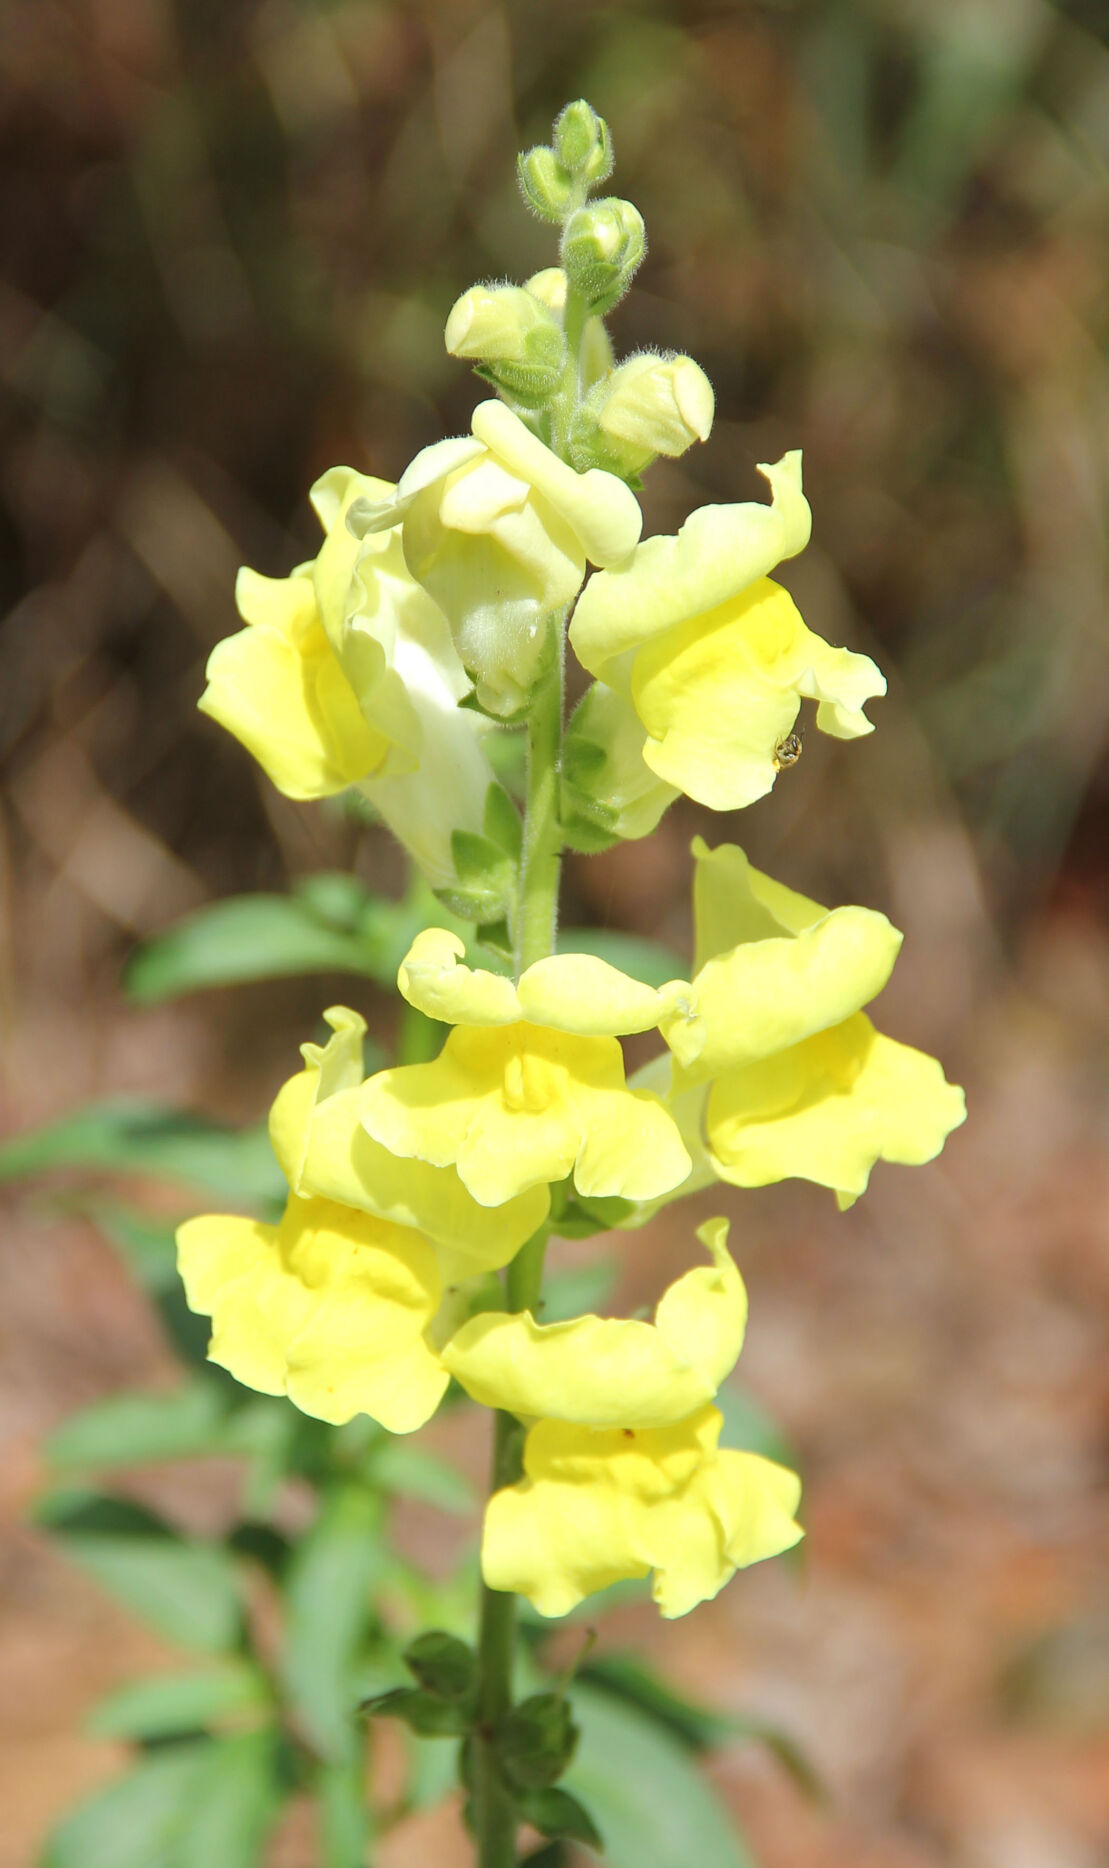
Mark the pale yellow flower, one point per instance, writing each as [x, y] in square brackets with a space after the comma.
[499, 531]
[330, 1307]
[790, 1076]
[598, 1505]
[347, 675]
[608, 1371]
[529, 1086]
[323, 1150]
[713, 654]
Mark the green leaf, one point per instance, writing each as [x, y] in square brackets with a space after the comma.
[486, 879]
[188, 1590]
[579, 1291]
[237, 1798]
[751, 1427]
[651, 1803]
[442, 1664]
[424, 1713]
[628, 1679]
[502, 822]
[409, 1471]
[174, 1704]
[126, 1429]
[247, 937]
[536, 1740]
[344, 1825]
[135, 1137]
[134, 1823]
[646, 960]
[328, 1612]
[556, 1813]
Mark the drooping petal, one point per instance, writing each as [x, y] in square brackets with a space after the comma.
[602, 510]
[768, 994]
[827, 1109]
[596, 1506]
[719, 693]
[277, 687]
[609, 1371]
[521, 1104]
[568, 992]
[330, 1306]
[733, 902]
[719, 551]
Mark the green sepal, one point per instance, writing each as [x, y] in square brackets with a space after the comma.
[535, 1741]
[486, 890]
[424, 1713]
[582, 1219]
[530, 384]
[556, 1813]
[443, 1665]
[588, 825]
[501, 822]
[496, 937]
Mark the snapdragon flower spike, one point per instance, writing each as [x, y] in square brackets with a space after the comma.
[499, 531]
[529, 1086]
[611, 1371]
[773, 1053]
[713, 654]
[330, 1307]
[346, 675]
[599, 1505]
[325, 1152]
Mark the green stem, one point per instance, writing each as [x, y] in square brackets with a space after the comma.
[494, 1814]
[540, 862]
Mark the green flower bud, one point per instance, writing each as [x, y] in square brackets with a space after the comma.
[516, 341]
[602, 247]
[547, 187]
[651, 405]
[582, 143]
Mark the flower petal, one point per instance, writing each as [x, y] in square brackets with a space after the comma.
[602, 510]
[827, 1109]
[718, 552]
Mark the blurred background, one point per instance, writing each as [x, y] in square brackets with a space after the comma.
[231, 231]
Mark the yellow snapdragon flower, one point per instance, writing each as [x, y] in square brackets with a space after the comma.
[347, 675]
[323, 1150]
[499, 531]
[596, 1506]
[773, 1055]
[610, 1371]
[713, 654]
[529, 1086]
[330, 1307]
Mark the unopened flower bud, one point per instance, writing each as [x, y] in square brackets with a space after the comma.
[595, 358]
[516, 341]
[547, 187]
[549, 287]
[582, 143]
[653, 405]
[602, 247]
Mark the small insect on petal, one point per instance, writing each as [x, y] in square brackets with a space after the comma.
[788, 750]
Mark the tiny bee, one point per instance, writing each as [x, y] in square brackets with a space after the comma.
[788, 750]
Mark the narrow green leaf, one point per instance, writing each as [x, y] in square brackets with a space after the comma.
[186, 1589]
[175, 1704]
[136, 1137]
[442, 1664]
[238, 1795]
[425, 1713]
[247, 937]
[341, 1792]
[328, 1611]
[126, 1429]
[410, 1472]
[502, 822]
[134, 1823]
[627, 1678]
[646, 1793]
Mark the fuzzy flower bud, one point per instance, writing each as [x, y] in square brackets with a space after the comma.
[546, 186]
[653, 405]
[582, 143]
[513, 337]
[602, 248]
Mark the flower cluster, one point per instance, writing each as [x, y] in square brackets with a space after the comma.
[434, 618]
